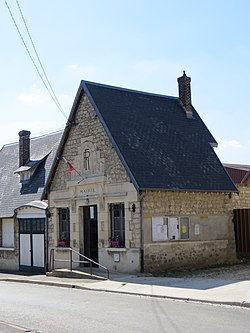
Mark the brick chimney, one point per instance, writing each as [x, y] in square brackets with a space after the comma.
[185, 93]
[24, 147]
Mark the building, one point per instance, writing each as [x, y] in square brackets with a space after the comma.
[137, 186]
[24, 169]
[241, 207]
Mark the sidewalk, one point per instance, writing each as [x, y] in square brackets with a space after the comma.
[227, 289]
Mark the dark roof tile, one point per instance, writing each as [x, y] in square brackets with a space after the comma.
[14, 194]
[159, 146]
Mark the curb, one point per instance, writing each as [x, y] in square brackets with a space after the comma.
[243, 304]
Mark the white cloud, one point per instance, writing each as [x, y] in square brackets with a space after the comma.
[229, 144]
[73, 67]
[34, 96]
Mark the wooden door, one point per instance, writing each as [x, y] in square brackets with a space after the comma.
[90, 232]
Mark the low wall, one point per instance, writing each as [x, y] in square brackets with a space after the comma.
[8, 260]
[162, 257]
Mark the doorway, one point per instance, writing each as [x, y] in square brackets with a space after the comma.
[32, 245]
[90, 230]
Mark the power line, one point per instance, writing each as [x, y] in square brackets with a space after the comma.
[51, 93]
[39, 60]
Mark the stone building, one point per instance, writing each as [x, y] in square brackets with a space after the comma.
[24, 169]
[137, 186]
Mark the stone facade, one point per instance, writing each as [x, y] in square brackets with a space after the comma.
[211, 237]
[103, 182]
[88, 133]
[241, 200]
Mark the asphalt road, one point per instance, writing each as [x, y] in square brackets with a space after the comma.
[46, 309]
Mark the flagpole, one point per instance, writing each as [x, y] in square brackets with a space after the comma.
[71, 167]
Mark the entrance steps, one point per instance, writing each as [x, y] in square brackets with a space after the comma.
[80, 273]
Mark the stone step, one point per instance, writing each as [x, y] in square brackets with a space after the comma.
[74, 274]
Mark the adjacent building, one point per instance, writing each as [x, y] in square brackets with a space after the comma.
[239, 173]
[24, 169]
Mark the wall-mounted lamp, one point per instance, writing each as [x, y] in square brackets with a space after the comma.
[86, 200]
[132, 208]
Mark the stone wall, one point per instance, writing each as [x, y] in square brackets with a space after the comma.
[87, 132]
[186, 203]
[161, 258]
[242, 199]
[104, 182]
[213, 244]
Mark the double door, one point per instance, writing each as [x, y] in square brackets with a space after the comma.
[32, 245]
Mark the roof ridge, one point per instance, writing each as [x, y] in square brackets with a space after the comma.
[84, 82]
[33, 138]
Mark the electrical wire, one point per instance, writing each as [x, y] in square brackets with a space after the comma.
[38, 58]
[51, 91]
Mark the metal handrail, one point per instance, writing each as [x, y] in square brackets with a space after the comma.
[71, 260]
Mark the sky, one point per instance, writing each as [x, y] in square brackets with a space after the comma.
[136, 44]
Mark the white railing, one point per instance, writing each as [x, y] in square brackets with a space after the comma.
[82, 259]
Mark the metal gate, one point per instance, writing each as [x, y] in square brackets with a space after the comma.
[242, 232]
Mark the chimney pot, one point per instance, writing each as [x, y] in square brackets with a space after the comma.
[185, 93]
[24, 147]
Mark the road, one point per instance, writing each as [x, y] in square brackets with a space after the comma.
[46, 309]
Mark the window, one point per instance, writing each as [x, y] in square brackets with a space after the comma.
[7, 233]
[64, 227]
[86, 159]
[24, 177]
[117, 219]
[32, 226]
[170, 228]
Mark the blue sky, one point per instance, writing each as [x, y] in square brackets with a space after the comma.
[143, 45]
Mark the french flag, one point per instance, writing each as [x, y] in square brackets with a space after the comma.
[70, 166]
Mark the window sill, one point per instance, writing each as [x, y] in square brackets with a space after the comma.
[62, 248]
[116, 249]
[7, 249]
[171, 240]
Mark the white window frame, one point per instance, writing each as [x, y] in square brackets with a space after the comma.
[7, 233]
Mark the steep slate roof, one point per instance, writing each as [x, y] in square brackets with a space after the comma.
[159, 146]
[13, 193]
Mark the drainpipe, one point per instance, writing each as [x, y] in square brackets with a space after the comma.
[142, 230]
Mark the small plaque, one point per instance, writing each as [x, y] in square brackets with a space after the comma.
[196, 229]
[116, 257]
